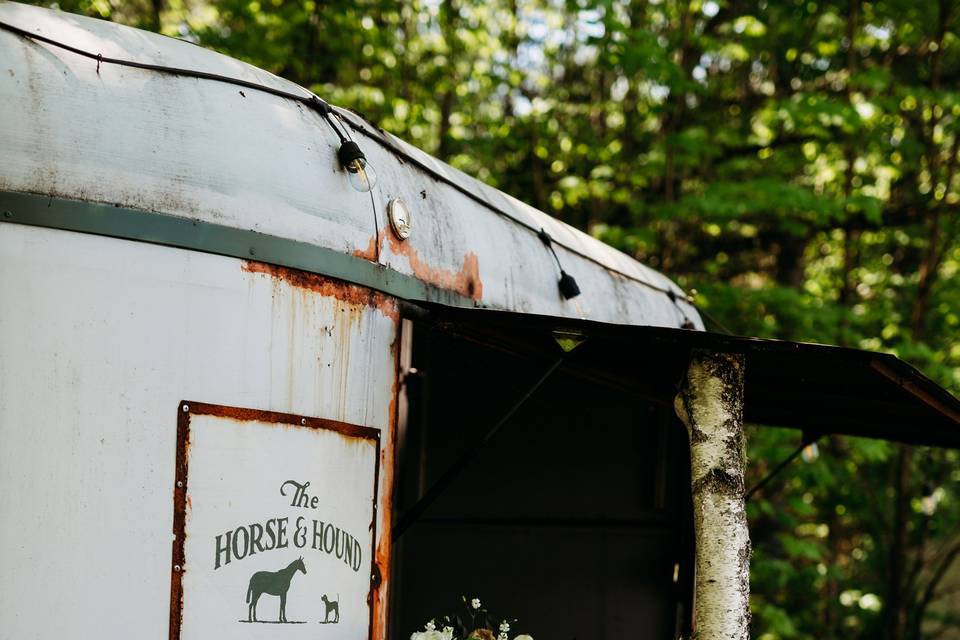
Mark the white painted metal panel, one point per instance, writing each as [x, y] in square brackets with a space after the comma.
[237, 157]
[100, 339]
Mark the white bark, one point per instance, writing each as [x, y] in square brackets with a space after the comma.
[710, 404]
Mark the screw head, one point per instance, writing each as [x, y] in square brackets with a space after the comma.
[176, 567]
[186, 408]
[303, 421]
[180, 483]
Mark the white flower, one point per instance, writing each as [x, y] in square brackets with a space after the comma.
[504, 626]
[430, 626]
[523, 637]
[448, 631]
[431, 634]
[475, 603]
[503, 636]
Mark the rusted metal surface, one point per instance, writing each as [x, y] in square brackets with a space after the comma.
[466, 281]
[186, 410]
[179, 520]
[146, 326]
[383, 556]
[357, 296]
[343, 291]
[86, 134]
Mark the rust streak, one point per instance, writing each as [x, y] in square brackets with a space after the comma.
[384, 546]
[370, 253]
[466, 281]
[343, 291]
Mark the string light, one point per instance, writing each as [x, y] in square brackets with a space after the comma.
[928, 500]
[361, 174]
[568, 285]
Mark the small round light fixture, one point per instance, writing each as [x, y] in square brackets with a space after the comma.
[399, 217]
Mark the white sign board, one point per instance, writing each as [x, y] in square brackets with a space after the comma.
[274, 525]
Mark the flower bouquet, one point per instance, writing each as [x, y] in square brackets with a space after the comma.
[475, 624]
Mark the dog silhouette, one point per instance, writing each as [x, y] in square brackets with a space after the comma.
[331, 606]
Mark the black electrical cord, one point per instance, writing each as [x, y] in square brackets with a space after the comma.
[188, 73]
[376, 227]
[569, 288]
[326, 112]
[312, 101]
[547, 239]
[324, 109]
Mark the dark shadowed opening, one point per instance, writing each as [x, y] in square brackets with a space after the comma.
[574, 519]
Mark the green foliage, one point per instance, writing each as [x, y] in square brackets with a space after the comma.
[795, 162]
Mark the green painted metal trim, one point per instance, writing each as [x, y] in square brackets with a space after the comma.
[185, 233]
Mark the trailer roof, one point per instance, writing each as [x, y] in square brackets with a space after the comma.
[121, 132]
[146, 124]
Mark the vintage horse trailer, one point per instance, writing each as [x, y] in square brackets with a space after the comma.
[229, 381]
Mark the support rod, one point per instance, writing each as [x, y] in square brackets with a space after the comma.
[808, 439]
[434, 492]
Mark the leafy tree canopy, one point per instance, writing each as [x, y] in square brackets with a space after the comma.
[793, 161]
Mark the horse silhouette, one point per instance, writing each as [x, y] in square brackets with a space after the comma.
[276, 583]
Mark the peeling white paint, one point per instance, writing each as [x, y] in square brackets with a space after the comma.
[201, 150]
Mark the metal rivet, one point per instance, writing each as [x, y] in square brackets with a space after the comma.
[176, 567]
[7, 214]
[186, 408]
[179, 483]
[303, 421]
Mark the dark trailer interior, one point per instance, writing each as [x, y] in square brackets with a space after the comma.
[574, 516]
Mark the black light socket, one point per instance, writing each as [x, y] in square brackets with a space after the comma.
[568, 286]
[348, 152]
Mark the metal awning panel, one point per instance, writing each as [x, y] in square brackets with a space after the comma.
[819, 388]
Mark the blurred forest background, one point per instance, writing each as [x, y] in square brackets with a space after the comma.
[792, 161]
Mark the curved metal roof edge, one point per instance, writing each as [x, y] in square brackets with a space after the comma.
[226, 69]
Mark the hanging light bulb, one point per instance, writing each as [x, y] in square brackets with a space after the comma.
[361, 174]
[928, 500]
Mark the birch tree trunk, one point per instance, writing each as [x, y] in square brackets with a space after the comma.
[710, 404]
